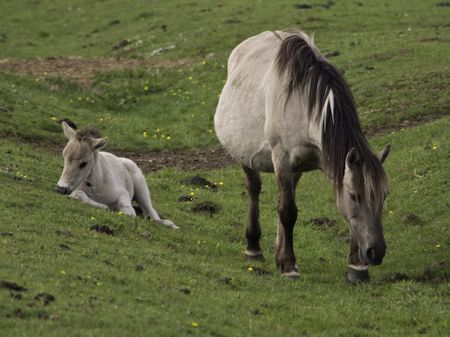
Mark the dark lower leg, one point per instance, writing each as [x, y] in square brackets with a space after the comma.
[287, 211]
[356, 270]
[253, 231]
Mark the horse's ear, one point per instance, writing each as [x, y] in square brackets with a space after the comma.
[382, 155]
[68, 131]
[99, 143]
[352, 158]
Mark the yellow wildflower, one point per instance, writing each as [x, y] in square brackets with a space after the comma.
[195, 324]
[250, 269]
[145, 134]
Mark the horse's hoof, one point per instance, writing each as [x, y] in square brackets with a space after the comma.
[294, 275]
[254, 255]
[355, 276]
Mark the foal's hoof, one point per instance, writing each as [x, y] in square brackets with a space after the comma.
[254, 255]
[169, 224]
[355, 276]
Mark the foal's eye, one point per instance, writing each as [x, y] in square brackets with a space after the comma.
[352, 196]
[83, 164]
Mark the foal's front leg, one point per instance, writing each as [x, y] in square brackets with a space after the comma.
[253, 232]
[124, 205]
[356, 270]
[83, 197]
[287, 213]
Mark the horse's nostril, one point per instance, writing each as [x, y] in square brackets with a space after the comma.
[371, 255]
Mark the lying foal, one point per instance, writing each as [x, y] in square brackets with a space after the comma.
[101, 179]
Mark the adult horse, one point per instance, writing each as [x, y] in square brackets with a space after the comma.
[286, 109]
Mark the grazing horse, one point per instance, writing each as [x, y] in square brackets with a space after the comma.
[285, 109]
[101, 179]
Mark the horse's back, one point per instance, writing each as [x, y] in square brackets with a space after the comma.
[240, 116]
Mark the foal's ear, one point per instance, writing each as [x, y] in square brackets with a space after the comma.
[352, 158]
[68, 131]
[99, 143]
[382, 155]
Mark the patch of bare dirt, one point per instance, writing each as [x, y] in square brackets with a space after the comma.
[201, 159]
[79, 69]
[406, 124]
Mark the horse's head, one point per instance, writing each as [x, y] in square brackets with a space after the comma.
[78, 157]
[360, 200]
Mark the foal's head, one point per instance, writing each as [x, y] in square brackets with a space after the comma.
[361, 199]
[78, 156]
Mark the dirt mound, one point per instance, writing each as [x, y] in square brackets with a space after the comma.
[79, 69]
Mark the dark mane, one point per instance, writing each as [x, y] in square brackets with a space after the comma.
[313, 77]
[88, 132]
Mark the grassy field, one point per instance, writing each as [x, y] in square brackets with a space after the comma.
[394, 54]
[60, 277]
[148, 280]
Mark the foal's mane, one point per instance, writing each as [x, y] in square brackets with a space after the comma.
[88, 132]
[331, 104]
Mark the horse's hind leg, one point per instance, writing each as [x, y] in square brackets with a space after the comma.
[253, 232]
[357, 271]
[287, 213]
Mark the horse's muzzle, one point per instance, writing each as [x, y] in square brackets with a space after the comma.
[62, 190]
[373, 255]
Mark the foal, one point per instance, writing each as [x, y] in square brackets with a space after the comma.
[101, 179]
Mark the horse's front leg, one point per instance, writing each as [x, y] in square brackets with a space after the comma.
[287, 214]
[253, 231]
[356, 270]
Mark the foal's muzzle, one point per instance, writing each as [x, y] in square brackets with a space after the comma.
[62, 190]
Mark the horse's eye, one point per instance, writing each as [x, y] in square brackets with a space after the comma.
[83, 164]
[352, 196]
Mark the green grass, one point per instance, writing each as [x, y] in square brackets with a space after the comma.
[135, 283]
[395, 56]
[148, 280]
